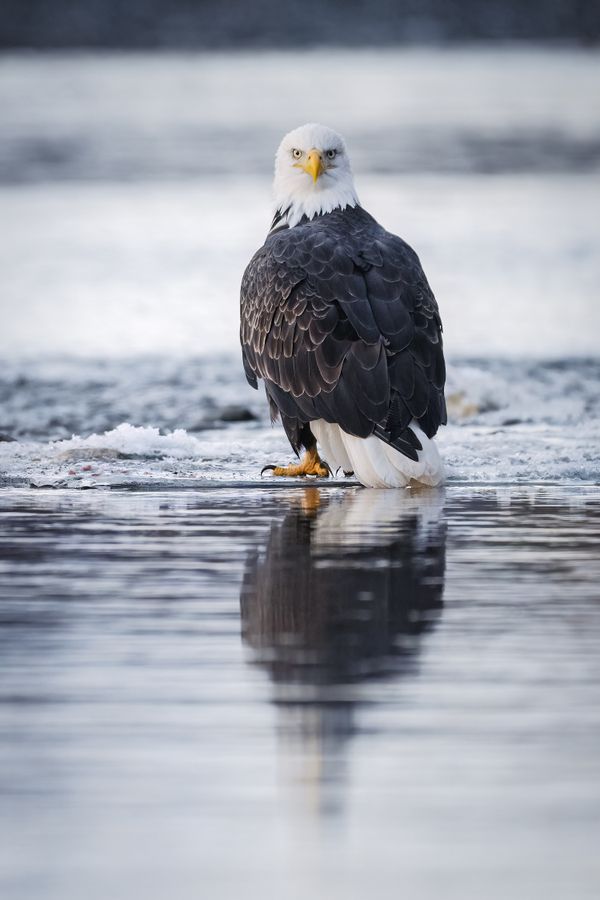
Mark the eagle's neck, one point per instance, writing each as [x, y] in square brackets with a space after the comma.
[279, 220]
[293, 206]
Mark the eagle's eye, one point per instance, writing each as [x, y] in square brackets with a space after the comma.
[331, 154]
[296, 154]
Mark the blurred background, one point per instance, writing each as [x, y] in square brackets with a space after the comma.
[209, 24]
[138, 138]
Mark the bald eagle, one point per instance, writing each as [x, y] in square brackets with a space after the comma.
[338, 320]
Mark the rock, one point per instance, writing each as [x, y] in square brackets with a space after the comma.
[6, 438]
[80, 453]
[221, 415]
[234, 413]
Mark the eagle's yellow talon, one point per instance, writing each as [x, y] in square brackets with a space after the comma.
[310, 464]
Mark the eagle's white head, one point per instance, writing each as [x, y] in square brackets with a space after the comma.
[312, 174]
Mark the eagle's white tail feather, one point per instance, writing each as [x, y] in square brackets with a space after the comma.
[374, 462]
[329, 438]
[370, 464]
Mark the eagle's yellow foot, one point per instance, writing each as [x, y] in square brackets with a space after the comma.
[310, 464]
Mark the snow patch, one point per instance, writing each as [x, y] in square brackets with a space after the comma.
[139, 440]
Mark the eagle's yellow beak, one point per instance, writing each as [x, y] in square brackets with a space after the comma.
[314, 164]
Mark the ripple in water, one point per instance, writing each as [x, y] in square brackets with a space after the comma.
[300, 691]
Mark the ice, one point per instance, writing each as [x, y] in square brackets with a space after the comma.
[512, 392]
[134, 193]
[138, 440]
[510, 421]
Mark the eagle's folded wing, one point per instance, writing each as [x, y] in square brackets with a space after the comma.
[341, 324]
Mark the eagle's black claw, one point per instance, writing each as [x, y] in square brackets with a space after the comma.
[267, 469]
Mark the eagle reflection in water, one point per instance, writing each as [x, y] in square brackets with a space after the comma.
[341, 595]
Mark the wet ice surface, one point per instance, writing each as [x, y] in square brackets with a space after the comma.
[147, 423]
[308, 691]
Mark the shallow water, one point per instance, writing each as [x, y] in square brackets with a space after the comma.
[320, 691]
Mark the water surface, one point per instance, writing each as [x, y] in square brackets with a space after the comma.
[326, 691]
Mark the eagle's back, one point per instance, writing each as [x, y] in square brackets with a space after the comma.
[339, 320]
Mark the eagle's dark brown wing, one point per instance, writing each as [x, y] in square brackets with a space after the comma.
[339, 321]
